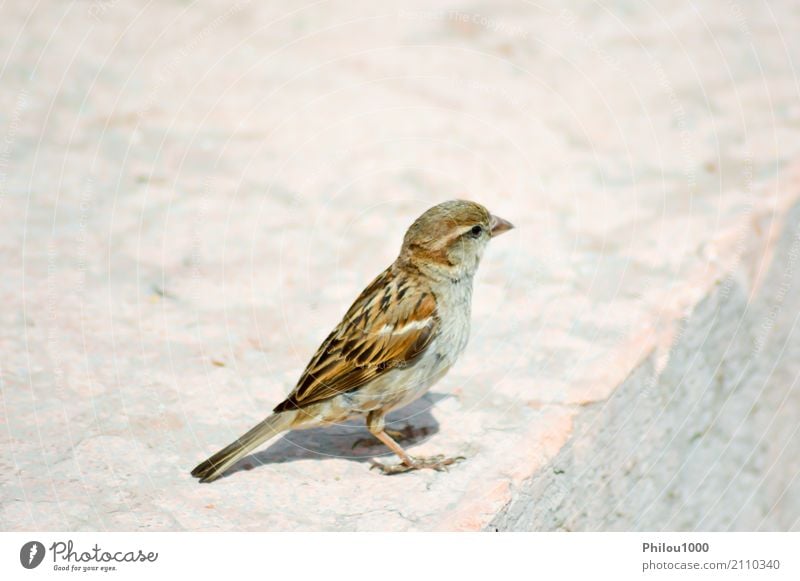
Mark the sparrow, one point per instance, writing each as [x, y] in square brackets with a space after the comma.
[401, 335]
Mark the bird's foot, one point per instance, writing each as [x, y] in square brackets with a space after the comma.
[407, 433]
[438, 463]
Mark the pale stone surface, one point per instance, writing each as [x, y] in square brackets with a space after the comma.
[709, 442]
[191, 197]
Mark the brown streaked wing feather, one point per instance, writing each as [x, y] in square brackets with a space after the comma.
[372, 338]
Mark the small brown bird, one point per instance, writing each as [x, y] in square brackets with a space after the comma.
[400, 336]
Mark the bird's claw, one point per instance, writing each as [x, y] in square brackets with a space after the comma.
[438, 463]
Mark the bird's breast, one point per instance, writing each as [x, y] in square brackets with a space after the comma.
[454, 309]
[406, 383]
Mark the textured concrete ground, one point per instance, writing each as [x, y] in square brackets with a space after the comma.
[191, 195]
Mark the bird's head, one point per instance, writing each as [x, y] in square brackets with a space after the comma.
[448, 239]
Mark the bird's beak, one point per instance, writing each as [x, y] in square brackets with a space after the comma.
[498, 225]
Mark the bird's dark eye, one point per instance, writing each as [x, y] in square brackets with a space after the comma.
[476, 231]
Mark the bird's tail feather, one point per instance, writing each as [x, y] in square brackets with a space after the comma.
[211, 469]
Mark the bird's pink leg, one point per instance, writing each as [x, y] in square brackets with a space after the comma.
[375, 423]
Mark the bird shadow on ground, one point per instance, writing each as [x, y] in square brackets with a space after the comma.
[348, 441]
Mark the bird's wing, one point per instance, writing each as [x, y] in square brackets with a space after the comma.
[390, 324]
